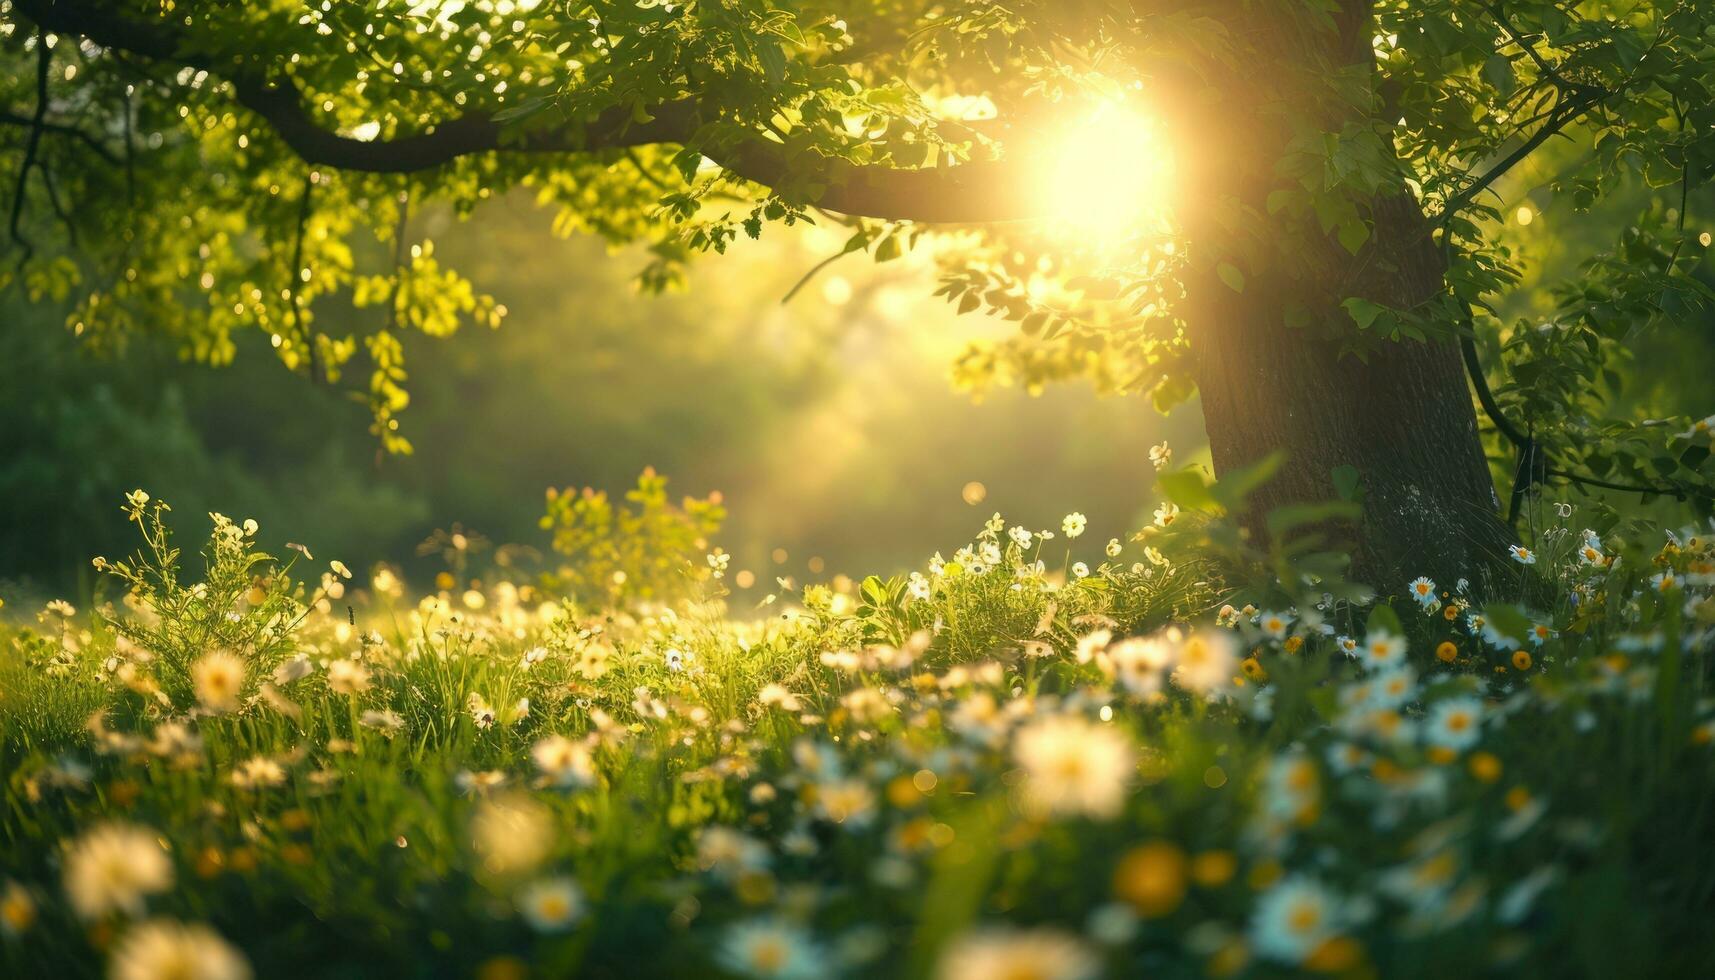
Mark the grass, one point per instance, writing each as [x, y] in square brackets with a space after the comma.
[1169, 764]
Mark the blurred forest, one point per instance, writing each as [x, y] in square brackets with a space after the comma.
[827, 423]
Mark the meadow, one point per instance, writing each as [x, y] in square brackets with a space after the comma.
[1040, 755]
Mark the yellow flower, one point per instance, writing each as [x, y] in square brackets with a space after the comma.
[1151, 878]
[218, 678]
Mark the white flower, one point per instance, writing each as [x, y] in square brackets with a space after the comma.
[348, 677]
[113, 867]
[1347, 645]
[218, 677]
[1522, 555]
[1205, 662]
[728, 853]
[771, 950]
[1020, 537]
[388, 722]
[565, 762]
[1114, 547]
[1074, 766]
[258, 772]
[1273, 624]
[1423, 590]
[481, 711]
[293, 668]
[1393, 687]
[1080, 570]
[1139, 661]
[1161, 456]
[164, 950]
[1383, 649]
[918, 586]
[777, 696]
[1039, 954]
[551, 904]
[1293, 918]
[339, 568]
[1455, 723]
[1073, 525]
[1166, 514]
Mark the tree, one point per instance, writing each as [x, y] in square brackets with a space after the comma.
[1323, 281]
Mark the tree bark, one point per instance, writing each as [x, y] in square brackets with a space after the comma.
[1403, 417]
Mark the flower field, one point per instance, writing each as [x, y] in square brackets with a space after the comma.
[1037, 757]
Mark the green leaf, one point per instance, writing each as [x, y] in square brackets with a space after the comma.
[1189, 490]
[1384, 619]
[1231, 275]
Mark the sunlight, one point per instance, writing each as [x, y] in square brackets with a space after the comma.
[1110, 174]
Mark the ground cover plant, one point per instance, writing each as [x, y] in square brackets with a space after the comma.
[1037, 756]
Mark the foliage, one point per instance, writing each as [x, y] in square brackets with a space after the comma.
[1075, 769]
[311, 137]
[647, 548]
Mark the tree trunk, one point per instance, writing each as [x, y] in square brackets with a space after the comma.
[1403, 418]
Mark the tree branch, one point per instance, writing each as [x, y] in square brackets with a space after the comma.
[968, 193]
[44, 57]
[11, 118]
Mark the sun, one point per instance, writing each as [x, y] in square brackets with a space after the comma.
[1109, 174]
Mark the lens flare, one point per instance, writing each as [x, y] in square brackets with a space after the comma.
[1110, 174]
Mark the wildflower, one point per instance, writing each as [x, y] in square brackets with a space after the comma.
[1664, 581]
[1273, 624]
[113, 867]
[729, 853]
[1497, 639]
[165, 950]
[1138, 662]
[718, 561]
[348, 677]
[1383, 649]
[258, 772]
[1073, 766]
[1114, 547]
[1041, 954]
[1292, 788]
[293, 668]
[388, 722]
[339, 568]
[476, 783]
[776, 696]
[1521, 660]
[1152, 878]
[565, 762]
[1393, 687]
[1446, 652]
[1423, 590]
[481, 711]
[1080, 570]
[1453, 724]
[1293, 918]
[918, 586]
[17, 910]
[1161, 456]
[1166, 514]
[1206, 661]
[845, 801]
[1522, 555]
[771, 951]
[218, 677]
[1540, 633]
[1019, 536]
[1074, 524]
[551, 904]
[1347, 645]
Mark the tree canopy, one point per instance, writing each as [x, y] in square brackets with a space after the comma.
[201, 169]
